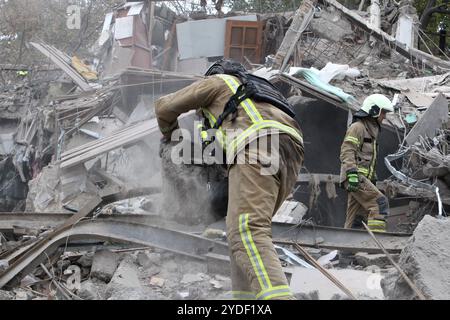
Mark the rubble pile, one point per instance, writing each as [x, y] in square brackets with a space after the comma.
[122, 275]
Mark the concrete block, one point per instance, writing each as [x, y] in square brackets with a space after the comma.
[104, 265]
[146, 260]
[86, 260]
[426, 260]
[92, 290]
[380, 260]
[125, 284]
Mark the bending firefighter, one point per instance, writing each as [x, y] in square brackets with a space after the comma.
[244, 109]
[358, 166]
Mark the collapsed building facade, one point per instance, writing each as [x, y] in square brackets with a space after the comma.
[81, 159]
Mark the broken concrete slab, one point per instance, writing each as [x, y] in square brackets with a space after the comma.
[360, 283]
[4, 264]
[331, 26]
[148, 259]
[104, 265]
[433, 119]
[6, 295]
[92, 290]
[125, 284]
[86, 260]
[158, 282]
[426, 260]
[380, 260]
[22, 294]
[290, 212]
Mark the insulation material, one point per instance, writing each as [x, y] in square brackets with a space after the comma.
[83, 69]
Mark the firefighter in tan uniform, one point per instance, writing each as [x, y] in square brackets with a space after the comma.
[358, 166]
[254, 197]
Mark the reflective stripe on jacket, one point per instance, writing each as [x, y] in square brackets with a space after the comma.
[359, 149]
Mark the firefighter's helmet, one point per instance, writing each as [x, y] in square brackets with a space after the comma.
[374, 104]
[225, 66]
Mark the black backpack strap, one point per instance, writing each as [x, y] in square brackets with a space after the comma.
[243, 92]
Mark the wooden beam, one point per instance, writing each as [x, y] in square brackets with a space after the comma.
[302, 18]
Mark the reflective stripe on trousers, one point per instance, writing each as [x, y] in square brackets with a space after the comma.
[267, 290]
[243, 295]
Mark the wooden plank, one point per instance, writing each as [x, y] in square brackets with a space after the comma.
[302, 18]
[67, 68]
[94, 144]
[108, 147]
[111, 139]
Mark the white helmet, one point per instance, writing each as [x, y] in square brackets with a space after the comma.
[375, 103]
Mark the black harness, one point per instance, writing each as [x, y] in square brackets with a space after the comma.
[257, 89]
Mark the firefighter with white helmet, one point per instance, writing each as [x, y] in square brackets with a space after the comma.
[358, 165]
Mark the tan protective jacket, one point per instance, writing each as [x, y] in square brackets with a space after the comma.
[359, 149]
[209, 97]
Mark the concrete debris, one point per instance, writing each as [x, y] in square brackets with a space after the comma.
[331, 26]
[5, 295]
[125, 283]
[92, 290]
[423, 260]
[290, 212]
[380, 260]
[21, 294]
[87, 259]
[149, 259]
[104, 265]
[159, 282]
[3, 265]
[191, 278]
[214, 234]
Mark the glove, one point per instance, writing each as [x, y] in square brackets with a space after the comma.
[162, 145]
[353, 181]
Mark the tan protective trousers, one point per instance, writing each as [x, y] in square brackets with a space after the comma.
[367, 203]
[254, 198]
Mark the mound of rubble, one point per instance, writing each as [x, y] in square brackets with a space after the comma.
[125, 274]
[426, 260]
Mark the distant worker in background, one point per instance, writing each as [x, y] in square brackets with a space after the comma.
[245, 107]
[442, 31]
[358, 165]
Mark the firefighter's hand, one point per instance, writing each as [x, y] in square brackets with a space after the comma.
[353, 182]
